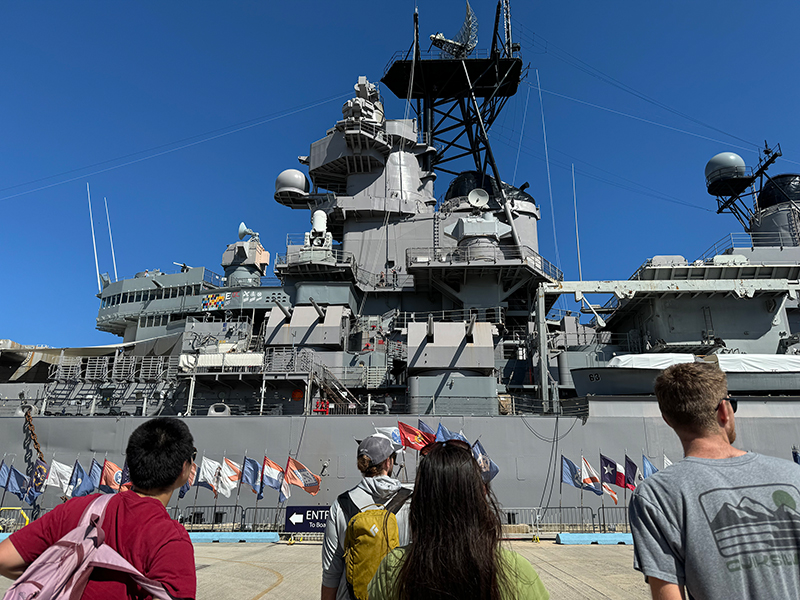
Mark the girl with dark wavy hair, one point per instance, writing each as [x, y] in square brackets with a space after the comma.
[456, 532]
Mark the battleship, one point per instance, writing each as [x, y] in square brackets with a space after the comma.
[395, 305]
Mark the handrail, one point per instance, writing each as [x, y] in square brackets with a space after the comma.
[213, 278]
[312, 255]
[492, 314]
[750, 240]
[439, 55]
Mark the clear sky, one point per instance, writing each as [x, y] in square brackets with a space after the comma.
[182, 114]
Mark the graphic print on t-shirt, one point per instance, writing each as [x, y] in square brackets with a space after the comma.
[751, 519]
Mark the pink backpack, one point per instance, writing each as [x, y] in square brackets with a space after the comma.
[62, 571]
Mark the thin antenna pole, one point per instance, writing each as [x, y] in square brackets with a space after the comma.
[560, 491]
[196, 491]
[521, 134]
[581, 476]
[577, 237]
[260, 488]
[113, 258]
[549, 180]
[241, 478]
[602, 495]
[217, 482]
[94, 243]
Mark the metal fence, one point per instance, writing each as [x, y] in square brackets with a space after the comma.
[209, 518]
[518, 522]
[614, 518]
[568, 519]
[12, 519]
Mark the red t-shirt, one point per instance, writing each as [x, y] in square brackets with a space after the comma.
[138, 528]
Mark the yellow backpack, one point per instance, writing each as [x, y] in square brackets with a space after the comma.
[371, 534]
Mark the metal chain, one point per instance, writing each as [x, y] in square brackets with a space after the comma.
[32, 430]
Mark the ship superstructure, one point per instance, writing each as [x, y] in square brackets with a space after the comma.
[388, 303]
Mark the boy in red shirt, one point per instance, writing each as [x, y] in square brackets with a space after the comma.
[136, 524]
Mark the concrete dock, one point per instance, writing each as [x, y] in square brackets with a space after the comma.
[256, 571]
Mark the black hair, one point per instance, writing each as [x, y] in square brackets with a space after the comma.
[456, 531]
[157, 451]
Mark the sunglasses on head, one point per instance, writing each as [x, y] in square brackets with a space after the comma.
[457, 443]
[732, 401]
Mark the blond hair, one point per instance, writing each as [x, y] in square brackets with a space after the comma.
[688, 393]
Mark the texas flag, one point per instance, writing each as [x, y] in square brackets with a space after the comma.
[412, 437]
[612, 472]
[298, 474]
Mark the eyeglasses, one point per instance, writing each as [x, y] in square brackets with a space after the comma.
[732, 401]
[457, 443]
[194, 454]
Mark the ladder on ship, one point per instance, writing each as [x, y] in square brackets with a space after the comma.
[332, 386]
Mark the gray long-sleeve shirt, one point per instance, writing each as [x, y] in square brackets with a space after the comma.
[371, 490]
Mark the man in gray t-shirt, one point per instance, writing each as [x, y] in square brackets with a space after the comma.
[722, 523]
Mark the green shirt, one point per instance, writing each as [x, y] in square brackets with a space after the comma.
[523, 581]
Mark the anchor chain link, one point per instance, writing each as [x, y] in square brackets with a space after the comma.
[32, 432]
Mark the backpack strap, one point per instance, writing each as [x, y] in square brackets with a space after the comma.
[347, 505]
[397, 501]
[96, 507]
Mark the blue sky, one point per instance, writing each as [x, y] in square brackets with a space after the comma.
[118, 94]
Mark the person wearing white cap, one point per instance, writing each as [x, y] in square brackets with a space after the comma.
[375, 459]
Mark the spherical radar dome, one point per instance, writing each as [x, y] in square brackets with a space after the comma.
[724, 165]
[291, 180]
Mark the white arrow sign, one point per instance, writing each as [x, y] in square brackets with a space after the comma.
[296, 518]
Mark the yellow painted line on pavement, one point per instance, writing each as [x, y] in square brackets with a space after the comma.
[243, 562]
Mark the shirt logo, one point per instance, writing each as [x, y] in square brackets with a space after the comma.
[753, 519]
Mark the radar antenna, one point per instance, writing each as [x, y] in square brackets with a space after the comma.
[507, 26]
[728, 179]
[466, 39]
[243, 231]
[458, 99]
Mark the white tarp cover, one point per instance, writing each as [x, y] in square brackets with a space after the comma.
[209, 360]
[250, 359]
[246, 359]
[758, 363]
[187, 362]
[649, 361]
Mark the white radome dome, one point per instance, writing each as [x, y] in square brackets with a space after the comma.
[732, 163]
[291, 180]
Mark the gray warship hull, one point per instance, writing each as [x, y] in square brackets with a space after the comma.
[527, 449]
